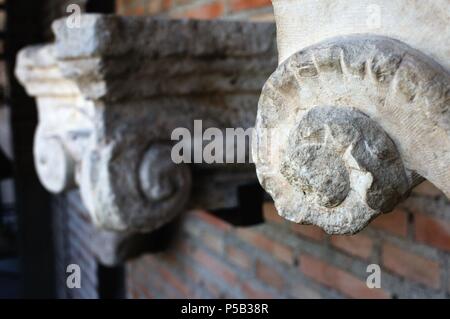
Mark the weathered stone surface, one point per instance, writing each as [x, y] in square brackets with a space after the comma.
[333, 151]
[421, 24]
[54, 166]
[176, 57]
[126, 191]
[345, 128]
[111, 92]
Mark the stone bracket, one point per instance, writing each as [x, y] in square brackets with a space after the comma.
[110, 94]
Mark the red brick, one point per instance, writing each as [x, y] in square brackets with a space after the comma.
[166, 4]
[308, 231]
[214, 242]
[238, 5]
[205, 11]
[133, 294]
[211, 220]
[213, 290]
[300, 291]
[120, 6]
[356, 245]
[191, 273]
[124, 6]
[145, 271]
[395, 222]
[254, 293]
[169, 257]
[175, 282]
[138, 11]
[195, 275]
[238, 257]
[192, 228]
[338, 279]
[269, 275]
[432, 231]
[184, 247]
[411, 266]
[278, 250]
[141, 291]
[154, 7]
[215, 266]
[271, 215]
[427, 189]
[158, 6]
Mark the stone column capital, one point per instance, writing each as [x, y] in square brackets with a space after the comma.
[111, 92]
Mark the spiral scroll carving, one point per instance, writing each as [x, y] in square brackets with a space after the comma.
[346, 128]
[54, 165]
[127, 187]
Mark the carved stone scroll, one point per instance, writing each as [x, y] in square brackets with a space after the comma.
[111, 92]
[348, 125]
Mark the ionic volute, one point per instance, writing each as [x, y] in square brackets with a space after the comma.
[357, 113]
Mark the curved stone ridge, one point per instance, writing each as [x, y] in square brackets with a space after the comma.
[400, 112]
[54, 165]
[125, 188]
[333, 150]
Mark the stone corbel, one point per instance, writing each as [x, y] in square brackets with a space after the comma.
[357, 112]
[111, 92]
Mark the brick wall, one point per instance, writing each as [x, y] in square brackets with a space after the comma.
[198, 9]
[279, 259]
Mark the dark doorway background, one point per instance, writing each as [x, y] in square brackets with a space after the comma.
[26, 25]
